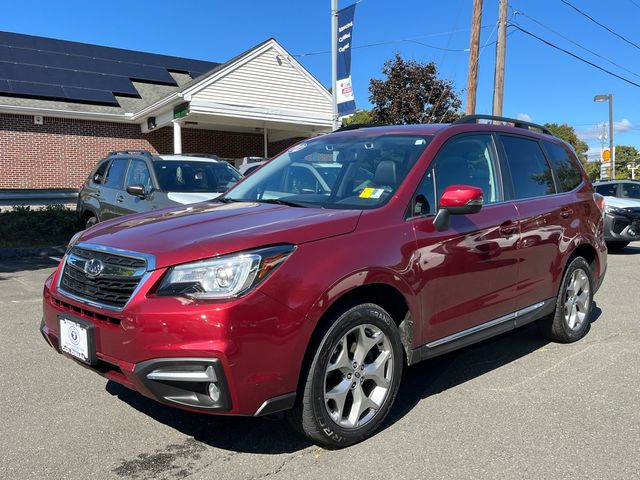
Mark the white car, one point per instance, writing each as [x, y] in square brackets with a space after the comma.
[622, 214]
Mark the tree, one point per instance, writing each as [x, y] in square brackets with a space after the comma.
[361, 116]
[593, 170]
[412, 93]
[624, 156]
[568, 134]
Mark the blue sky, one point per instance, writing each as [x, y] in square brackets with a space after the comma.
[541, 83]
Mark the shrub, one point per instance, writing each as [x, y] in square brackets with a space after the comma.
[27, 227]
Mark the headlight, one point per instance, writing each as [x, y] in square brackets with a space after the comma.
[223, 277]
[614, 210]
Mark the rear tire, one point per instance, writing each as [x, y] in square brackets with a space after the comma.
[571, 319]
[615, 246]
[90, 221]
[352, 380]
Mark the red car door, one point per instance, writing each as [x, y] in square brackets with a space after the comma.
[550, 209]
[466, 274]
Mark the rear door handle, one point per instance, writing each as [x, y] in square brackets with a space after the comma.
[566, 212]
[508, 228]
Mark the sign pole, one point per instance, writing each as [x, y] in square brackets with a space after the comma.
[334, 62]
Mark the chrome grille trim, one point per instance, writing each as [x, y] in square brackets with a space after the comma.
[135, 272]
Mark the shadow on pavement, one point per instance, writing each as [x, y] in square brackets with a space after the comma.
[273, 435]
[13, 265]
[628, 250]
[265, 435]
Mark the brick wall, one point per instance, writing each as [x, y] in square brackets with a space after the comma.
[61, 152]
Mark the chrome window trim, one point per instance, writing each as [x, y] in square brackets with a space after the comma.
[149, 259]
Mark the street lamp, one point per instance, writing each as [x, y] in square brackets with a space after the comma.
[609, 98]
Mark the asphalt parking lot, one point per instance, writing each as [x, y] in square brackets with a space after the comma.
[513, 407]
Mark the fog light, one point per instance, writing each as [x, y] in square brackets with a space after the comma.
[214, 392]
[632, 233]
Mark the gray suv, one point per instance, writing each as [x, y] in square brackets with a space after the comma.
[132, 181]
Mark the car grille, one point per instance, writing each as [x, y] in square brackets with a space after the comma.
[113, 288]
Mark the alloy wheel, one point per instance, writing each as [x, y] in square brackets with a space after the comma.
[577, 301]
[358, 376]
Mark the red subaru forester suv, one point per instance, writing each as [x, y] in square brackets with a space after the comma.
[312, 283]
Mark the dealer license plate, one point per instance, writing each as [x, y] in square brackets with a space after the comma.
[75, 340]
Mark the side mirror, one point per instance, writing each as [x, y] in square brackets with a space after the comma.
[457, 200]
[137, 191]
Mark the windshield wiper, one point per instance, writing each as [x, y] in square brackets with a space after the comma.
[279, 201]
[227, 200]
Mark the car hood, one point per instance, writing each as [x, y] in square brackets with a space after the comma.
[188, 233]
[621, 202]
[191, 197]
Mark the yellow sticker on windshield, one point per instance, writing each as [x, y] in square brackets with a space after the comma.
[371, 192]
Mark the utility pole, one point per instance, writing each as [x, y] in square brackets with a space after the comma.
[611, 147]
[501, 51]
[474, 54]
[334, 61]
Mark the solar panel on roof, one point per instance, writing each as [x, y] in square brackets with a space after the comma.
[33, 66]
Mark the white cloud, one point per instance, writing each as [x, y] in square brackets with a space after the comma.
[594, 132]
[524, 117]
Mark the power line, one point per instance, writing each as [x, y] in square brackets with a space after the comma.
[520, 12]
[634, 3]
[577, 57]
[407, 39]
[600, 24]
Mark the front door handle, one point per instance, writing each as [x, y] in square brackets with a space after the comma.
[566, 212]
[120, 198]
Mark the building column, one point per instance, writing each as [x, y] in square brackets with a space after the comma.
[266, 143]
[177, 137]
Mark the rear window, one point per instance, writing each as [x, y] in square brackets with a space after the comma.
[566, 170]
[115, 174]
[530, 171]
[98, 175]
[195, 176]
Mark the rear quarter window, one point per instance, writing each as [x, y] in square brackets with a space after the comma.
[607, 189]
[530, 172]
[565, 167]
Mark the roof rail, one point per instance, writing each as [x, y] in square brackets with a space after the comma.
[356, 126]
[516, 123]
[131, 152]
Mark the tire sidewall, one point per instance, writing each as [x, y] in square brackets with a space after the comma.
[571, 334]
[360, 314]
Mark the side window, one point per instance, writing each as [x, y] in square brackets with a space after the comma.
[115, 174]
[565, 167]
[607, 189]
[631, 190]
[465, 160]
[138, 174]
[530, 171]
[98, 175]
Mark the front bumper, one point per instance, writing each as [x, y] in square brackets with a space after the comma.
[618, 227]
[172, 349]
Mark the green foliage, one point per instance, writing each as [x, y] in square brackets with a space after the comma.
[26, 227]
[624, 156]
[568, 134]
[411, 92]
[593, 170]
[360, 117]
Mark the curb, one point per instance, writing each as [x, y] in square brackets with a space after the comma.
[32, 252]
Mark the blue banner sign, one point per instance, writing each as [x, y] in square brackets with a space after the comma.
[344, 89]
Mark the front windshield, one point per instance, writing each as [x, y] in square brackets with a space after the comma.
[195, 176]
[335, 172]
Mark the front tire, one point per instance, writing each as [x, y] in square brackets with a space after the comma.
[572, 317]
[353, 378]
